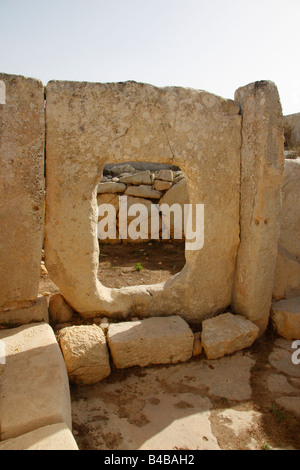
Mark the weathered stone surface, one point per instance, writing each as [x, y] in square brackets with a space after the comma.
[279, 384]
[178, 194]
[21, 190]
[150, 341]
[112, 199]
[143, 177]
[197, 348]
[289, 237]
[162, 185]
[195, 130]
[119, 169]
[287, 271]
[165, 175]
[292, 130]
[53, 437]
[34, 382]
[37, 312]
[143, 191]
[261, 174]
[287, 275]
[226, 334]
[111, 187]
[286, 317]
[290, 404]
[59, 310]
[281, 358]
[85, 352]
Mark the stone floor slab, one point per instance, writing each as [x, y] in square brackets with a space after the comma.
[34, 383]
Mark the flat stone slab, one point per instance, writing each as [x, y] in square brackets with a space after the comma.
[226, 334]
[34, 386]
[54, 437]
[160, 340]
[286, 318]
[143, 190]
[110, 187]
[143, 177]
[85, 352]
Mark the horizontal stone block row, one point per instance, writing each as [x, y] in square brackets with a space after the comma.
[157, 340]
[146, 188]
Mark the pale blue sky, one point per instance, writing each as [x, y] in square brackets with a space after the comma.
[213, 45]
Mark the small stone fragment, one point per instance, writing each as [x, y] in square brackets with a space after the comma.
[59, 310]
[197, 348]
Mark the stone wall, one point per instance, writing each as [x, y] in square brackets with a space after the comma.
[292, 132]
[147, 187]
[230, 153]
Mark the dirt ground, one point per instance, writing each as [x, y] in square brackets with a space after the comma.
[144, 263]
[122, 265]
[249, 400]
[229, 404]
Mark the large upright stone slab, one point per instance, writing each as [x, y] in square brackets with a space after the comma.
[34, 386]
[287, 271]
[22, 129]
[150, 341]
[92, 124]
[261, 174]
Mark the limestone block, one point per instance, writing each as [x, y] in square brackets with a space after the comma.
[109, 198]
[142, 177]
[287, 275]
[59, 310]
[197, 348]
[85, 352]
[165, 175]
[53, 437]
[287, 270]
[261, 174]
[286, 318]
[289, 237]
[36, 312]
[178, 194]
[92, 124]
[150, 341]
[143, 191]
[111, 187]
[119, 169]
[226, 334]
[34, 382]
[21, 190]
[292, 130]
[162, 185]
